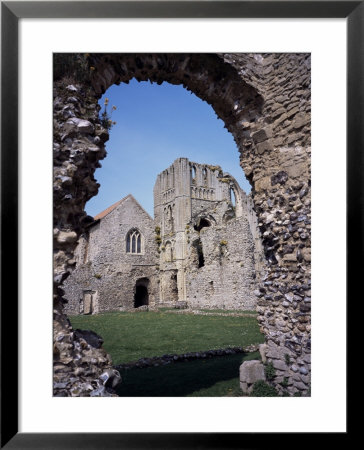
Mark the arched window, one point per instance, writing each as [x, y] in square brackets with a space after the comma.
[204, 175]
[134, 241]
[193, 174]
[232, 197]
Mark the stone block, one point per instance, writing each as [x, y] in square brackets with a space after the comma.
[250, 373]
[265, 146]
[279, 365]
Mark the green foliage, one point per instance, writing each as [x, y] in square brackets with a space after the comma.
[263, 389]
[270, 371]
[222, 243]
[105, 117]
[287, 359]
[284, 383]
[297, 394]
[129, 336]
[158, 239]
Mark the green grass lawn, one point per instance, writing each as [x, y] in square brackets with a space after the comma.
[130, 336]
[230, 311]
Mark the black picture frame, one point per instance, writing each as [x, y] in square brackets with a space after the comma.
[11, 12]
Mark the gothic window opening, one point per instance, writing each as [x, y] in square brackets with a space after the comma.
[204, 176]
[193, 174]
[134, 242]
[232, 197]
[169, 225]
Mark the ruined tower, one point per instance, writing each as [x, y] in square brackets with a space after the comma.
[207, 254]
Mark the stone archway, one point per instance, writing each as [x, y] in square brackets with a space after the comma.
[264, 101]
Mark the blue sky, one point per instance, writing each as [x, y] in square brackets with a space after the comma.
[155, 125]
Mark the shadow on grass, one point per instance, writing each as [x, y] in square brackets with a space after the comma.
[184, 378]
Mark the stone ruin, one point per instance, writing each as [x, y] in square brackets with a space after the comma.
[202, 250]
[264, 101]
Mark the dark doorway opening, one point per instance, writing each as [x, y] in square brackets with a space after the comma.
[141, 296]
[202, 224]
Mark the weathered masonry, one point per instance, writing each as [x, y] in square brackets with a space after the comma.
[264, 101]
[198, 252]
[116, 262]
[208, 257]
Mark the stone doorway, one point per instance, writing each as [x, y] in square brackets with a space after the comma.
[88, 302]
[141, 296]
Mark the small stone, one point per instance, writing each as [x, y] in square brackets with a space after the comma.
[76, 124]
[301, 386]
[66, 237]
[280, 365]
[72, 88]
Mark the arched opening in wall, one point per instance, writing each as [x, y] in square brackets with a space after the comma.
[155, 125]
[204, 175]
[198, 251]
[169, 220]
[210, 133]
[193, 175]
[141, 296]
[134, 241]
[232, 100]
[202, 223]
[232, 198]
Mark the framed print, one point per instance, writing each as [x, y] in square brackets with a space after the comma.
[252, 62]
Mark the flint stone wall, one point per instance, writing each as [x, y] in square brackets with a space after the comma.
[227, 279]
[105, 267]
[264, 100]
